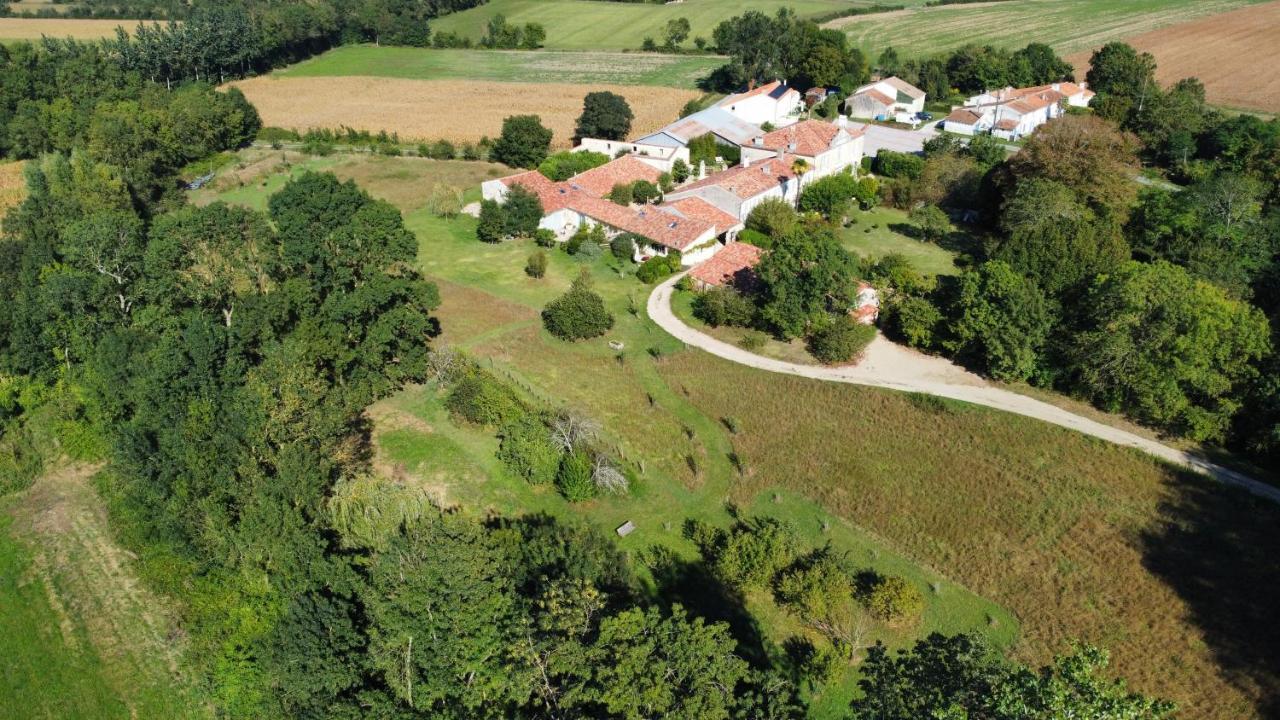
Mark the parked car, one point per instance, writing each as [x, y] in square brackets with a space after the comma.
[925, 116]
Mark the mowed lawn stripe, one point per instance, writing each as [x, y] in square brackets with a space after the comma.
[527, 66]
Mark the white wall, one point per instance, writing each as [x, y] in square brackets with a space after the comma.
[761, 109]
[656, 156]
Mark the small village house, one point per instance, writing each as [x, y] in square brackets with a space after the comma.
[887, 99]
[827, 147]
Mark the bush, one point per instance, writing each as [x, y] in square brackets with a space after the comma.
[895, 600]
[932, 223]
[20, 460]
[492, 226]
[438, 150]
[623, 246]
[774, 217]
[913, 320]
[899, 165]
[867, 193]
[679, 171]
[544, 237]
[579, 313]
[622, 194]
[754, 553]
[665, 182]
[724, 306]
[525, 448]
[755, 237]
[444, 201]
[830, 195]
[658, 267]
[573, 479]
[481, 399]
[564, 165]
[645, 192]
[536, 267]
[841, 341]
[523, 210]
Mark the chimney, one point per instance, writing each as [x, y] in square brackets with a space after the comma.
[842, 121]
[778, 154]
[746, 160]
[758, 141]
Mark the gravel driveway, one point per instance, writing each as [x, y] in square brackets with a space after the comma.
[888, 365]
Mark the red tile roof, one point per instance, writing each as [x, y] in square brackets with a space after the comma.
[550, 193]
[878, 96]
[622, 171]
[749, 181]
[964, 116]
[725, 265]
[1007, 124]
[699, 209]
[776, 88]
[810, 137]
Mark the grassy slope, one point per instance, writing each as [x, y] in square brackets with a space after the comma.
[509, 66]
[586, 25]
[78, 636]
[1067, 25]
[1078, 538]
[873, 235]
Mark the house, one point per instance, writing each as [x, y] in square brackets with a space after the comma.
[739, 189]
[724, 126]
[1017, 112]
[970, 120]
[866, 307]
[884, 99]
[693, 227]
[731, 265]
[775, 103]
[817, 95]
[827, 147]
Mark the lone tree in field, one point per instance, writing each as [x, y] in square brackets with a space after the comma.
[676, 32]
[524, 142]
[605, 115]
[579, 313]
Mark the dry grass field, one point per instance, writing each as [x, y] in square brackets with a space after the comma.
[460, 111]
[12, 186]
[1163, 569]
[36, 28]
[1233, 53]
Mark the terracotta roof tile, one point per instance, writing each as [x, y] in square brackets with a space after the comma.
[699, 209]
[625, 170]
[749, 181]
[1007, 124]
[725, 265]
[877, 96]
[550, 193]
[964, 116]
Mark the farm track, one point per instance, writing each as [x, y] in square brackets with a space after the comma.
[890, 366]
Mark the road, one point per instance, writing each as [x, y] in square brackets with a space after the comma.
[879, 138]
[887, 365]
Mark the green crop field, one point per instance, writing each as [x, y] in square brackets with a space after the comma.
[537, 66]
[588, 25]
[1067, 25]
[1036, 536]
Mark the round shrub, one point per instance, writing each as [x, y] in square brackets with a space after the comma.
[573, 479]
[480, 398]
[724, 306]
[537, 265]
[895, 600]
[914, 320]
[841, 341]
[658, 267]
[578, 314]
[527, 451]
[623, 246]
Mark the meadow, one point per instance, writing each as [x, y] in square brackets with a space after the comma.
[880, 231]
[1036, 536]
[12, 185]
[1066, 25]
[455, 110]
[80, 637]
[517, 66]
[586, 25]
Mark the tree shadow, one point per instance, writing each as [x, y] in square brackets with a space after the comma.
[1219, 549]
[693, 585]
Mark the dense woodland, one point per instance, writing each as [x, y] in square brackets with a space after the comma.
[220, 361]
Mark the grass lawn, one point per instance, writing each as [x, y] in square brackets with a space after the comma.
[873, 235]
[1036, 535]
[529, 66]
[586, 25]
[1067, 25]
[78, 636]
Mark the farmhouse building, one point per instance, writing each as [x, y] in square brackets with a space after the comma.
[1013, 113]
[827, 147]
[739, 189]
[885, 99]
[732, 265]
[775, 103]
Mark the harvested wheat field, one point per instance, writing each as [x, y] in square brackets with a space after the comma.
[12, 185]
[36, 28]
[459, 111]
[1233, 53]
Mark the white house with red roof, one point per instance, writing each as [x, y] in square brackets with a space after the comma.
[739, 189]
[827, 147]
[1013, 113]
[885, 99]
[693, 226]
[775, 103]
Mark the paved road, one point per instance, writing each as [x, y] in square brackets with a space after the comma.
[888, 365]
[879, 138]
